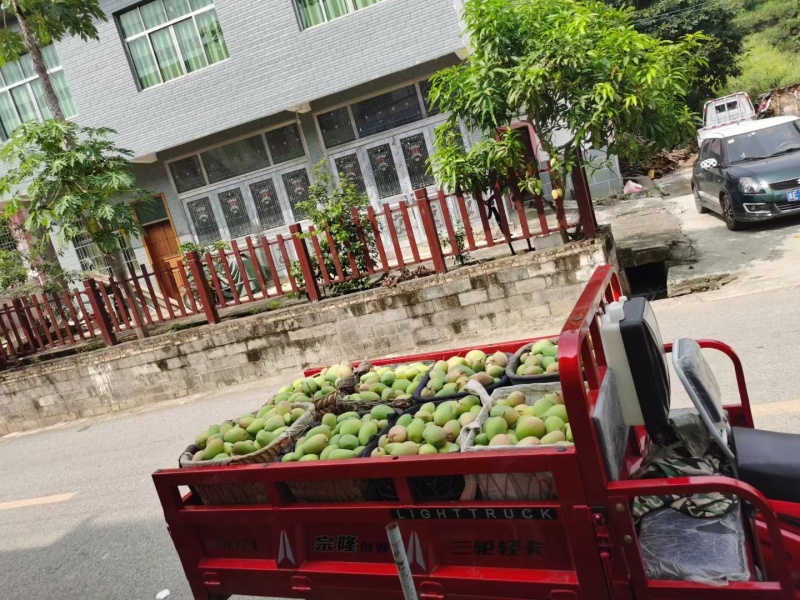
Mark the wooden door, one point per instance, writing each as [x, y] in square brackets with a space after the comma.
[162, 246]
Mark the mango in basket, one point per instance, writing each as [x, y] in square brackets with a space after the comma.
[544, 422]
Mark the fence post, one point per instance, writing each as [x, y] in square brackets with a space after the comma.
[24, 324]
[100, 313]
[429, 225]
[583, 196]
[199, 275]
[300, 248]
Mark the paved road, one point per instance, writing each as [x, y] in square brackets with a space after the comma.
[102, 534]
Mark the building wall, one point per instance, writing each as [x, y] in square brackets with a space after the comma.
[509, 298]
[273, 65]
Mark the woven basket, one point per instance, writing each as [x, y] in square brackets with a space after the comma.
[247, 493]
[343, 406]
[326, 404]
[347, 385]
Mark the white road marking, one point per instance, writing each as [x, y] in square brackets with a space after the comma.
[35, 501]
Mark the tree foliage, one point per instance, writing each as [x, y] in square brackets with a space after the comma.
[674, 19]
[50, 21]
[73, 179]
[578, 71]
[339, 209]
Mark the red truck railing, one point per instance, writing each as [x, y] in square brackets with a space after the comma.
[582, 543]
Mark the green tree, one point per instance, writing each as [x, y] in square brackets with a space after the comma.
[580, 72]
[74, 180]
[42, 22]
[674, 19]
[340, 210]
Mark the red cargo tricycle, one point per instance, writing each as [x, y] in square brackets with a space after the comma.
[584, 540]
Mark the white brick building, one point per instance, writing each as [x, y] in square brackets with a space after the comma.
[227, 104]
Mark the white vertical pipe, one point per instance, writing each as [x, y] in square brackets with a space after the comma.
[401, 560]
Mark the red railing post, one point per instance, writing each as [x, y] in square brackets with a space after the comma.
[100, 313]
[429, 225]
[203, 290]
[312, 287]
[24, 324]
[583, 196]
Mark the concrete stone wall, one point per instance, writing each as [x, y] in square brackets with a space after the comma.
[512, 295]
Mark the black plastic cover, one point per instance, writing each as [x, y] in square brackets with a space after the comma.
[645, 352]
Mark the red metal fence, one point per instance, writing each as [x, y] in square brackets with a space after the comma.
[398, 236]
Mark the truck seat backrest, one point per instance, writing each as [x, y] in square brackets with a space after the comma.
[703, 389]
[612, 433]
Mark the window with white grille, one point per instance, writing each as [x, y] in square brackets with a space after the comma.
[297, 184]
[204, 221]
[91, 259]
[267, 203]
[274, 147]
[8, 239]
[22, 95]
[171, 38]
[375, 115]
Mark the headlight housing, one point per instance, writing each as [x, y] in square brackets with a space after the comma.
[750, 186]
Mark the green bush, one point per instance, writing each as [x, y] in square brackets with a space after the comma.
[13, 270]
[765, 67]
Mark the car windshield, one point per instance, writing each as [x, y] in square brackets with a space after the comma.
[764, 143]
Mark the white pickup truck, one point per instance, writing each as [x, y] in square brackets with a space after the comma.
[726, 111]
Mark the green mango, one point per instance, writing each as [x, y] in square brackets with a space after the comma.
[404, 420]
[367, 431]
[201, 440]
[315, 444]
[553, 437]
[213, 448]
[274, 423]
[381, 411]
[242, 448]
[538, 347]
[557, 410]
[346, 416]
[351, 427]
[341, 454]
[401, 384]
[256, 426]
[265, 438]
[348, 442]
[327, 451]
[329, 419]
[237, 434]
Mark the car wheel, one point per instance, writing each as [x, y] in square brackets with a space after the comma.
[698, 204]
[730, 216]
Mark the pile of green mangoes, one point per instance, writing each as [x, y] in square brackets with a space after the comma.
[449, 377]
[248, 433]
[431, 430]
[308, 389]
[342, 437]
[542, 359]
[511, 422]
[389, 383]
